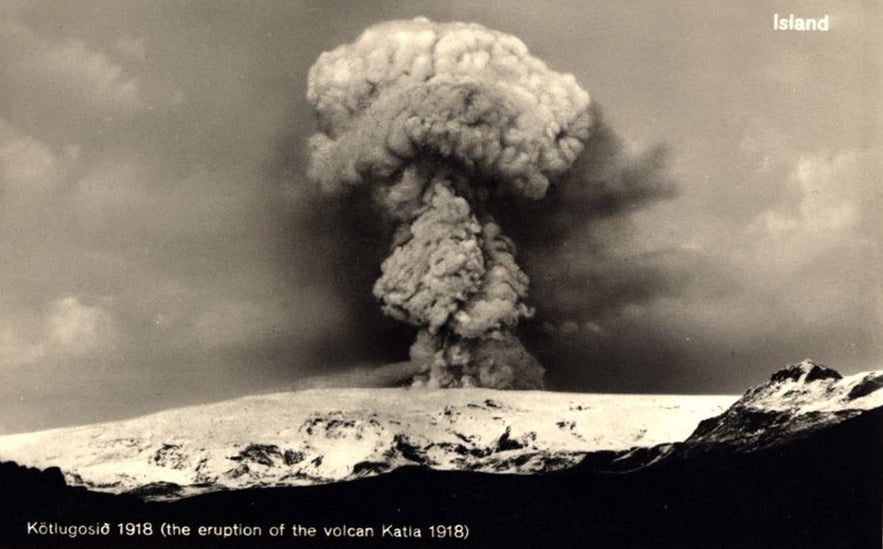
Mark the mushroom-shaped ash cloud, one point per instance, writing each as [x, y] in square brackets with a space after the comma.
[441, 121]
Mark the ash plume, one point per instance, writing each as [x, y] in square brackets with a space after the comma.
[452, 129]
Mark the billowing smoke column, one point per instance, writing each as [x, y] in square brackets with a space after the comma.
[442, 121]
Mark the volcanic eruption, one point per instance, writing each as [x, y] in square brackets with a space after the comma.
[442, 121]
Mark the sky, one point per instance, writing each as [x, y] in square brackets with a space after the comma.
[161, 244]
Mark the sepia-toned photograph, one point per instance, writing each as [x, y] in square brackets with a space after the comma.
[430, 274]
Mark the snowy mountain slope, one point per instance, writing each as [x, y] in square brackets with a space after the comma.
[328, 435]
[325, 435]
[797, 401]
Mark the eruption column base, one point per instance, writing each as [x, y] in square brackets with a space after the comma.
[498, 361]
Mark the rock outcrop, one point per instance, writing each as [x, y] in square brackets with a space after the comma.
[796, 402]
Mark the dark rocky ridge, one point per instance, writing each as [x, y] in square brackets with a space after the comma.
[797, 401]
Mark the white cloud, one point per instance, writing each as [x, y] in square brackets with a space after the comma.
[24, 161]
[816, 255]
[69, 71]
[92, 72]
[77, 328]
[32, 173]
[27, 161]
[835, 201]
[829, 190]
[67, 328]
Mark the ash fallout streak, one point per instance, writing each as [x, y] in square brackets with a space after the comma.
[458, 133]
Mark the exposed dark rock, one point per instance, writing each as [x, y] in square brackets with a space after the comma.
[291, 457]
[506, 443]
[158, 490]
[371, 467]
[170, 455]
[870, 383]
[403, 445]
[264, 454]
[808, 370]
